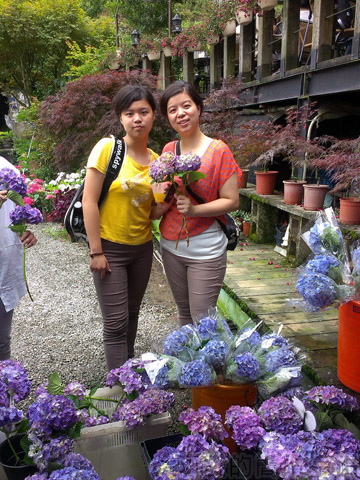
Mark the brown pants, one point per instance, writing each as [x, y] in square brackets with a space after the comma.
[120, 294]
[195, 284]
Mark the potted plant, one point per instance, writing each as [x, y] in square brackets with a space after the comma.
[342, 161]
[167, 46]
[151, 46]
[246, 219]
[245, 11]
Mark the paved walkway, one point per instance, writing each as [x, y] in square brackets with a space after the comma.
[265, 283]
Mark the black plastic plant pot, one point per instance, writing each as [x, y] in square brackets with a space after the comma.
[8, 460]
[253, 467]
[150, 447]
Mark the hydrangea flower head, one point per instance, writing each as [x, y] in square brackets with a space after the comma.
[317, 290]
[13, 378]
[204, 421]
[247, 366]
[76, 389]
[280, 358]
[129, 380]
[26, 214]
[246, 425]
[280, 415]
[162, 166]
[195, 374]
[10, 180]
[333, 396]
[215, 352]
[187, 163]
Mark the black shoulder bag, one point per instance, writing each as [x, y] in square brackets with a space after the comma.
[74, 217]
[230, 228]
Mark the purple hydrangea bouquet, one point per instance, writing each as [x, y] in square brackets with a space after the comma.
[137, 401]
[327, 278]
[299, 433]
[207, 353]
[185, 167]
[14, 387]
[198, 456]
[22, 214]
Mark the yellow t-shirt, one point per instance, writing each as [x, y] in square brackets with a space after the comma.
[125, 212]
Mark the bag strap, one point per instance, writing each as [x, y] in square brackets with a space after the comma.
[194, 195]
[117, 155]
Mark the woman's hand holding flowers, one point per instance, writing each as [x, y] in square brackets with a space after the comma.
[28, 239]
[184, 205]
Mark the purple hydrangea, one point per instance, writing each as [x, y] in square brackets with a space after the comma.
[125, 478]
[13, 375]
[247, 366]
[207, 328]
[49, 451]
[76, 390]
[9, 416]
[280, 415]
[150, 402]
[51, 413]
[25, 214]
[280, 358]
[10, 180]
[162, 378]
[175, 343]
[215, 352]
[162, 167]
[37, 476]
[129, 380]
[194, 458]
[333, 396]
[204, 421]
[317, 290]
[77, 461]
[196, 374]
[187, 163]
[70, 473]
[246, 425]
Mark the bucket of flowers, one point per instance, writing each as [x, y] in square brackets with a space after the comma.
[222, 368]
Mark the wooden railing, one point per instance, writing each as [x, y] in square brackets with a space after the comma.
[249, 55]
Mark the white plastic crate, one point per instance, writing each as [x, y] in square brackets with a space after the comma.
[113, 449]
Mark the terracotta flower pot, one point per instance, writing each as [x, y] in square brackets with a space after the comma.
[293, 192]
[230, 28]
[314, 196]
[265, 182]
[244, 18]
[244, 178]
[350, 211]
[268, 4]
[246, 228]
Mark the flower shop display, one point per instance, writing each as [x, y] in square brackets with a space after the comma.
[299, 435]
[168, 166]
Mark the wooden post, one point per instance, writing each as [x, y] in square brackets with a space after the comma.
[188, 67]
[165, 73]
[246, 52]
[322, 37]
[215, 66]
[146, 64]
[229, 55]
[265, 45]
[355, 52]
[290, 36]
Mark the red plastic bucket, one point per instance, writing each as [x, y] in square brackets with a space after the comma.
[349, 345]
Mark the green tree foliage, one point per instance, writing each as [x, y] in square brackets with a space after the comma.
[73, 120]
[94, 7]
[33, 36]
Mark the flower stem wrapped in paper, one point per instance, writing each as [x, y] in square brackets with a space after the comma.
[185, 167]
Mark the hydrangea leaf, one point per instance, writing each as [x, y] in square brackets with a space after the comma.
[55, 386]
[323, 421]
[184, 429]
[193, 176]
[340, 421]
[15, 197]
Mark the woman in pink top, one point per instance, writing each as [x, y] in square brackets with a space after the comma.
[196, 272]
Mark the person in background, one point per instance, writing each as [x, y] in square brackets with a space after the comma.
[120, 233]
[12, 282]
[196, 272]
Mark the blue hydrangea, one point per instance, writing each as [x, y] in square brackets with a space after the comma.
[175, 343]
[356, 260]
[317, 290]
[247, 366]
[321, 264]
[162, 378]
[207, 328]
[280, 415]
[215, 352]
[280, 358]
[278, 340]
[195, 374]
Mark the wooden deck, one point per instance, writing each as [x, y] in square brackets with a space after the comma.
[268, 289]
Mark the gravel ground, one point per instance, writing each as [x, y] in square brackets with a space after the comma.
[61, 330]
